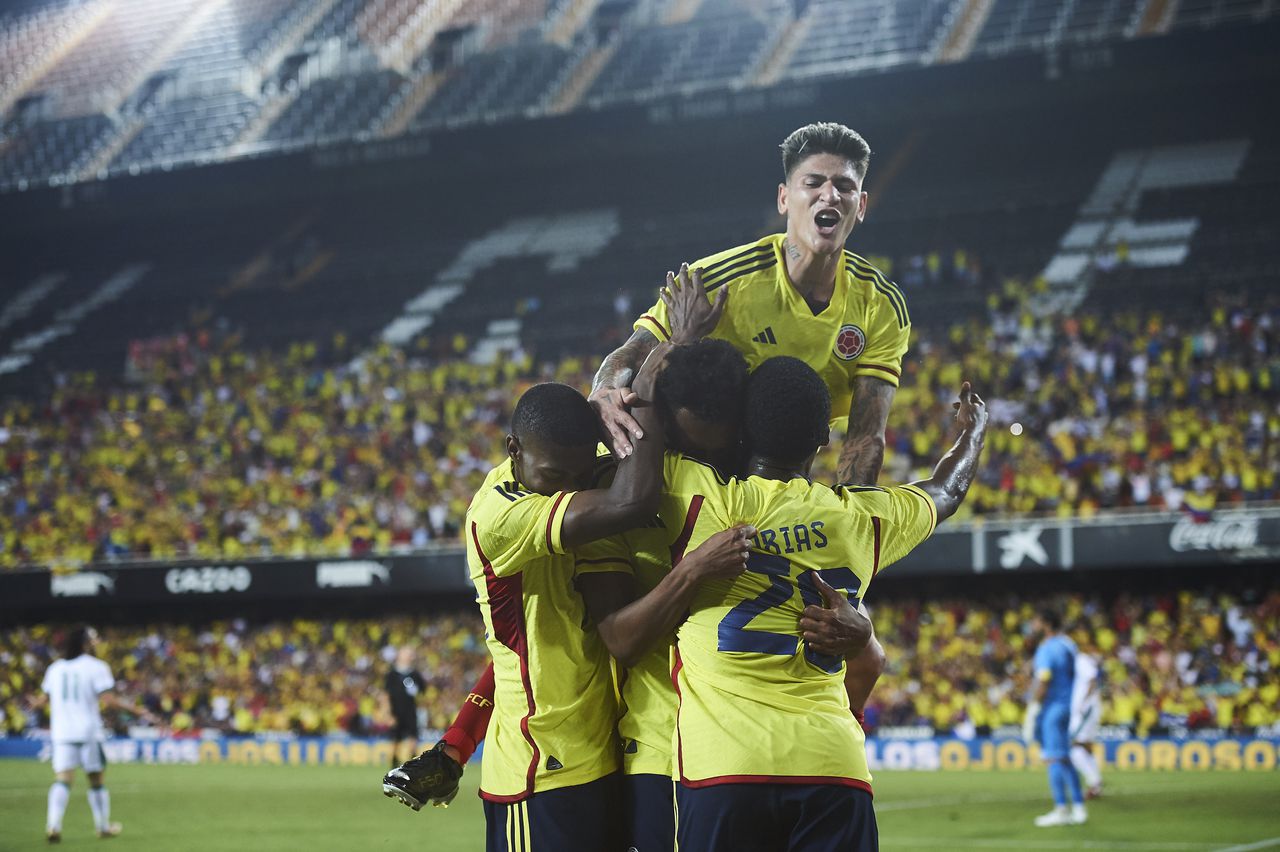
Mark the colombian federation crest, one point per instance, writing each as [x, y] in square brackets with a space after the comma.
[850, 341]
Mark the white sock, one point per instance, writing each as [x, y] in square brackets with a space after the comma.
[1087, 765]
[58, 795]
[100, 804]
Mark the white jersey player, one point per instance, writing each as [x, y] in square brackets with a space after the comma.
[73, 688]
[1086, 715]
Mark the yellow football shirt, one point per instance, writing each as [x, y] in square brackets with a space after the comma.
[862, 332]
[648, 713]
[754, 704]
[555, 710]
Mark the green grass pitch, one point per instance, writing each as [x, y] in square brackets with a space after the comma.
[317, 809]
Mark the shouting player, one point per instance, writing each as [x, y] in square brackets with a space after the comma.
[802, 294]
[1048, 718]
[768, 755]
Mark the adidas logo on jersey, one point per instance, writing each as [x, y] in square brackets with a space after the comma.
[766, 336]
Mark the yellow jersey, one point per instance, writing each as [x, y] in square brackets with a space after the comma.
[754, 703]
[648, 713]
[863, 331]
[555, 710]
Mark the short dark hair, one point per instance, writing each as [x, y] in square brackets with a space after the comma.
[1052, 618]
[707, 378]
[825, 137]
[75, 642]
[557, 414]
[788, 409]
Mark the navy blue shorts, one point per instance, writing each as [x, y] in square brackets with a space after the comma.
[774, 818]
[585, 818]
[650, 817]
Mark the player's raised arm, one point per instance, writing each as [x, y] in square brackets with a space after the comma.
[633, 495]
[611, 393]
[954, 473]
[862, 455]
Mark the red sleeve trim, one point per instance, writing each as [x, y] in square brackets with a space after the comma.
[895, 373]
[833, 780]
[690, 521]
[666, 333]
[875, 529]
[551, 520]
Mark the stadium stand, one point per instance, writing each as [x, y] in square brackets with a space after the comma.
[496, 85]
[1121, 410]
[334, 108]
[718, 47]
[1034, 24]
[1171, 661]
[848, 38]
[298, 676]
[189, 129]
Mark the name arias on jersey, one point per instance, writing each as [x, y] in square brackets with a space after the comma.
[850, 341]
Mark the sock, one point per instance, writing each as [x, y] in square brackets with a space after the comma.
[58, 795]
[100, 804]
[1087, 765]
[1073, 782]
[1058, 783]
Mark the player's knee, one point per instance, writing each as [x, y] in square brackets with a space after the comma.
[95, 779]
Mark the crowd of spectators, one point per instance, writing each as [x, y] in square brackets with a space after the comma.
[300, 676]
[1169, 661]
[210, 450]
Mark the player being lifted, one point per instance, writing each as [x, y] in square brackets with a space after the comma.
[73, 688]
[549, 771]
[768, 755]
[802, 294]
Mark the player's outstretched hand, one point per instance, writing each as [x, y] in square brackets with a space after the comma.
[971, 411]
[692, 316]
[837, 628]
[723, 556]
[611, 406]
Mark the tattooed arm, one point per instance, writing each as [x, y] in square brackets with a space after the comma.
[611, 391]
[863, 451]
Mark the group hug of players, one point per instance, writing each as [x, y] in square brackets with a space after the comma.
[679, 650]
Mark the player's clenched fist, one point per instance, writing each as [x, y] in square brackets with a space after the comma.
[721, 557]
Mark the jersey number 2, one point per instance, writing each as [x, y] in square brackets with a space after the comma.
[734, 633]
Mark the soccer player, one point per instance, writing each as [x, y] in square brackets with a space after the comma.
[767, 753]
[798, 293]
[404, 684]
[73, 688]
[1086, 715]
[700, 394]
[802, 294]
[549, 772]
[1049, 715]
